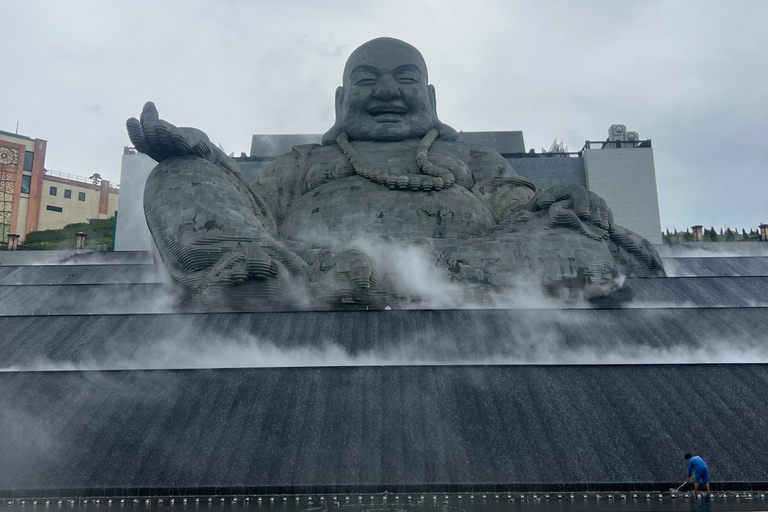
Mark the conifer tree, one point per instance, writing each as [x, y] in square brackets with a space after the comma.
[713, 234]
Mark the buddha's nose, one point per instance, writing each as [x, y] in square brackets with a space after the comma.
[386, 92]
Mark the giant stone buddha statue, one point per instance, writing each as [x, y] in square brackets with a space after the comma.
[388, 172]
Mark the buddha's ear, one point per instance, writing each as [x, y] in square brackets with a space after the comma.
[444, 132]
[329, 138]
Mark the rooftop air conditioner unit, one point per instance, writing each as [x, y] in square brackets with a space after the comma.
[617, 132]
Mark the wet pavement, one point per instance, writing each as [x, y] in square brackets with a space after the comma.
[466, 502]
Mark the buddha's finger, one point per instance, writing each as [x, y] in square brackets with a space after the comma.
[594, 208]
[361, 273]
[545, 200]
[259, 264]
[136, 134]
[581, 204]
[604, 215]
[201, 149]
[610, 216]
[558, 192]
[148, 122]
[149, 113]
[179, 141]
[163, 132]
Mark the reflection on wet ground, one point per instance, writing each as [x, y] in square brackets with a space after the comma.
[467, 502]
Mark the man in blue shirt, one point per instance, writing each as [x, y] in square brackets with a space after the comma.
[698, 465]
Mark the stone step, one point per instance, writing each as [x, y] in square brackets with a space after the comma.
[713, 249]
[376, 429]
[80, 274]
[99, 299]
[716, 266]
[385, 337]
[73, 257]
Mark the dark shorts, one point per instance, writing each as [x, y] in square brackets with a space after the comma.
[702, 477]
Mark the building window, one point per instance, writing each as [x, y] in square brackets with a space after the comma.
[81, 196]
[67, 193]
[29, 159]
[26, 181]
[54, 208]
[52, 191]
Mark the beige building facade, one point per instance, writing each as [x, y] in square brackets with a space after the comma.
[35, 199]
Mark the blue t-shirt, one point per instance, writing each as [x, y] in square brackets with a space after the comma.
[696, 463]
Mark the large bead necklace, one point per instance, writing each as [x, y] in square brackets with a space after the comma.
[434, 177]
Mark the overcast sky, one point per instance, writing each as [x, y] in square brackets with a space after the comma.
[690, 75]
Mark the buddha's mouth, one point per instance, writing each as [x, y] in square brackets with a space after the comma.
[388, 111]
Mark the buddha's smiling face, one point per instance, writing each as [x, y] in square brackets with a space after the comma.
[386, 95]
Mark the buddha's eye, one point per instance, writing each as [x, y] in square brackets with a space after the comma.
[365, 81]
[407, 80]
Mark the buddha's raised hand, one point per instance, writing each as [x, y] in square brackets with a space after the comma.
[160, 140]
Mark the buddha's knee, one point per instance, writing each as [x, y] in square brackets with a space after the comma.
[183, 181]
[188, 194]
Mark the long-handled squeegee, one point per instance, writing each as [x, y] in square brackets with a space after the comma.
[681, 486]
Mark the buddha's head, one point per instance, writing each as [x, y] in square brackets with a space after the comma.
[386, 95]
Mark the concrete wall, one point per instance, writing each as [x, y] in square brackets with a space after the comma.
[547, 171]
[274, 145]
[626, 179]
[503, 142]
[132, 233]
[112, 204]
[252, 169]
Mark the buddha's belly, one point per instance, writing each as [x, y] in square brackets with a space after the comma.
[355, 207]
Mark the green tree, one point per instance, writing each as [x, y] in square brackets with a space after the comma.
[687, 236]
[712, 234]
[729, 236]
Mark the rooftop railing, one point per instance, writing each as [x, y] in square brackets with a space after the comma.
[75, 177]
[67, 176]
[607, 144]
[590, 144]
